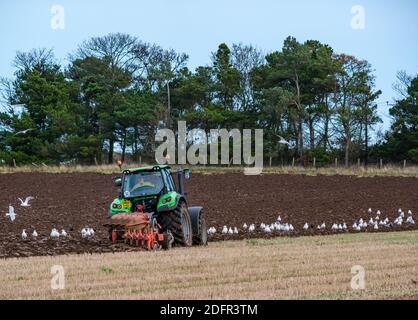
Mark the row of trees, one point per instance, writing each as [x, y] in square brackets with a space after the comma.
[117, 91]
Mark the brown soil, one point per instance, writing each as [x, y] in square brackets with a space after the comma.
[74, 201]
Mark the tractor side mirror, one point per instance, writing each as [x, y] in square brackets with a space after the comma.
[186, 174]
[118, 181]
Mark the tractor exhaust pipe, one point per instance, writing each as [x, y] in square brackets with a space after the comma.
[180, 180]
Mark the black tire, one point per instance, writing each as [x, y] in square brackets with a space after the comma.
[179, 224]
[200, 231]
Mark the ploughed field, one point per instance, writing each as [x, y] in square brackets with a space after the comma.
[75, 201]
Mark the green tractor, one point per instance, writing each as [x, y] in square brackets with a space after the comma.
[151, 210]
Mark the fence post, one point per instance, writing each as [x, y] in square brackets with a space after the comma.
[95, 161]
[270, 161]
[358, 162]
[293, 162]
[404, 164]
[14, 163]
[381, 163]
[314, 162]
[336, 162]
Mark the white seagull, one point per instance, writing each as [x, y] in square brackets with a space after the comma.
[55, 233]
[24, 234]
[26, 202]
[23, 132]
[306, 226]
[34, 234]
[283, 141]
[224, 230]
[245, 227]
[251, 228]
[11, 214]
[236, 230]
[230, 231]
[63, 233]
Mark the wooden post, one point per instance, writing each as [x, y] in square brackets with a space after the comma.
[14, 162]
[404, 164]
[358, 163]
[336, 162]
[95, 161]
[270, 161]
[293, 162]
[381, 163]
[314, 162]
[140, 160]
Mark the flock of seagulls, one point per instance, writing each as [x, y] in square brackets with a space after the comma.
[376, 222]
[278, 225]
[86, 232]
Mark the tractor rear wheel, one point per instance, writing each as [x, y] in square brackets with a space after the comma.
[179, 224]
[200, 232]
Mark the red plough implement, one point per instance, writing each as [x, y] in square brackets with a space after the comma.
[140, 230]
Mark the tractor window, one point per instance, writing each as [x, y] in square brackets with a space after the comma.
[142, 184]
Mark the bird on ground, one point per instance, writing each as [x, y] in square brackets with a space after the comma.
[370, 210]
[340, 227]
[225, 230]
[354, 226]
[23, 132]
[323, 226]
[279, 219]
[26, 202]
[364, 225]
[267, 229]
[291, 228]
[371, 222]
[410, 212]
[361, 221]
[345, 226]
[378, 212]
[54, 233]
[376, 226]
[410, 220]
[34, 234]
[262, 226]
[84, 233]
[11, 214]
[236, 230]
[92, 232]
[24, 234]
[245, 226]
[230, 231]
[306, 226]
[63, 233]
[334, 227]
[251, 228]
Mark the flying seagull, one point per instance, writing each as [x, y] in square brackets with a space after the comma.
[11, 214]
[26, 202]
[23, 132]
[283, 141]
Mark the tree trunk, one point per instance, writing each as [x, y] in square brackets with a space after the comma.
[347, 149]
[124, 146]
[110, 155]
[366, 142]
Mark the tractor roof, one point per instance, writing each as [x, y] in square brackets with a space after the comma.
[148, 168]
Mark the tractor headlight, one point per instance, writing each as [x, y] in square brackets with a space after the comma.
[166, 200]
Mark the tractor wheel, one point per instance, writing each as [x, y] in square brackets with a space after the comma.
[179, 224]
[200, 232]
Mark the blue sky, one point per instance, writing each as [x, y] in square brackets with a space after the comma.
[197, 27]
